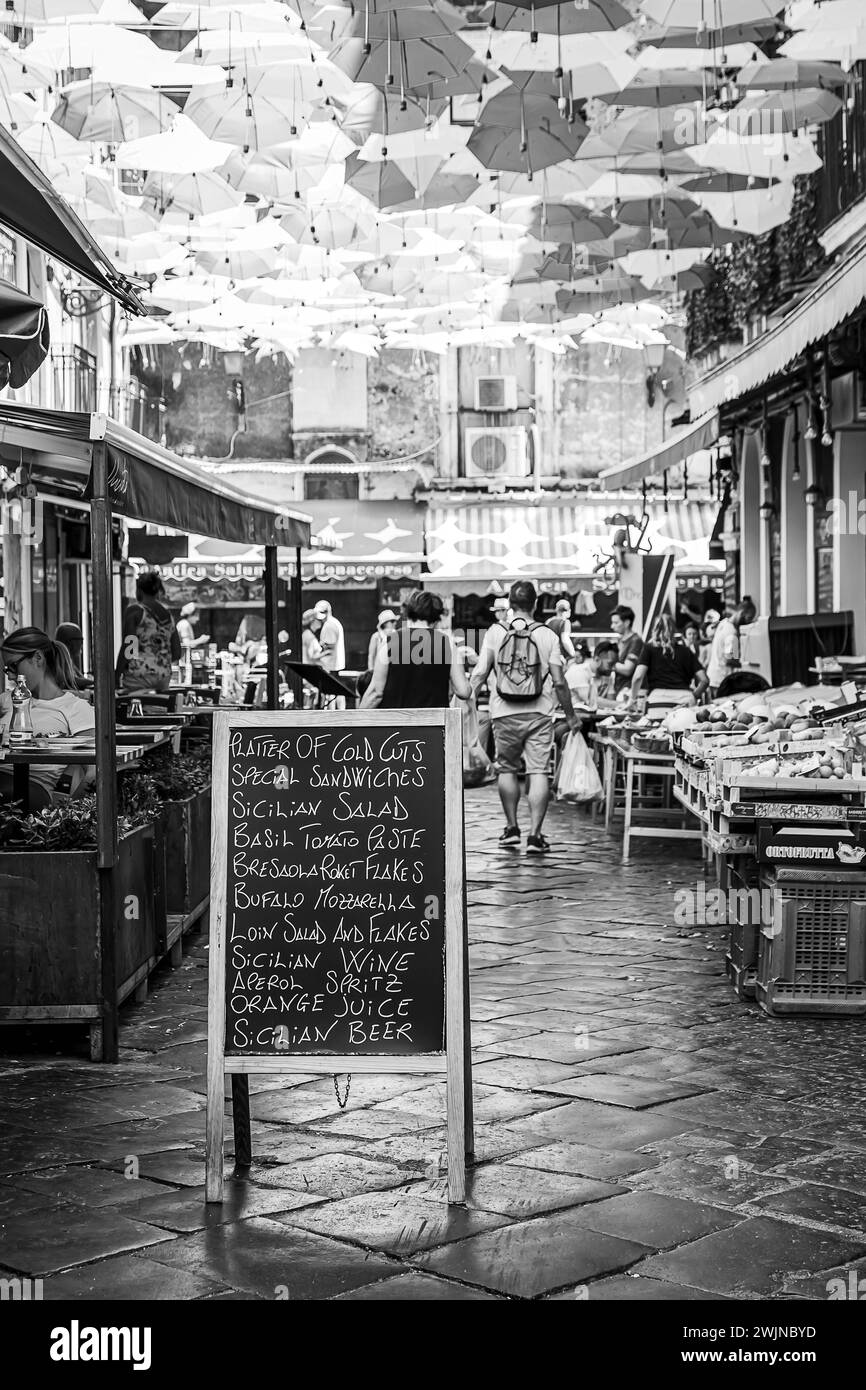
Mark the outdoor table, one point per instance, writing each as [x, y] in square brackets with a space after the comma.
[210, 693]
[619, 755]
[22, 759]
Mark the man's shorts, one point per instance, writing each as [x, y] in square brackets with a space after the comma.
[529, 736]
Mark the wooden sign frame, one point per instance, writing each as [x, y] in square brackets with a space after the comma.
[454, 1062]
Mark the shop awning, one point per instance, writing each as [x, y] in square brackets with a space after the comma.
[367, 540]
[828, 304]
[30, 206]
[147, 482]
[24, 336]
[700, 434]
[561, 541]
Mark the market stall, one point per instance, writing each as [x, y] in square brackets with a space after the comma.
[92, 458]
[776, 783]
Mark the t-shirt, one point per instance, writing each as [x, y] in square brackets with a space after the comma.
[333, 645]
[632, 648]
[551, 656]
[670, 670]
[68, 714]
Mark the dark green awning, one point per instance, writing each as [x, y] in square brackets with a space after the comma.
[147, 482]
[30, 206]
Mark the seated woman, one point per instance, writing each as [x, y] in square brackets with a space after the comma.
[70, 636]
[674, 676]
[56, 709]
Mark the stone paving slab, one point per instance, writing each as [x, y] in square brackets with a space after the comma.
[626, 1102]
[529, 1258]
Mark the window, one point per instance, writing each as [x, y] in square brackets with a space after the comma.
[7, 257]
[331, 487]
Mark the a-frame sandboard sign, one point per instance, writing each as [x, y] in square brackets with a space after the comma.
[338, 920]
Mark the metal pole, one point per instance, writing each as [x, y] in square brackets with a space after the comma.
[106, 755]
[295, 624]
[272, 626]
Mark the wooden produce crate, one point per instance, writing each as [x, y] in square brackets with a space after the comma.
[812, 952]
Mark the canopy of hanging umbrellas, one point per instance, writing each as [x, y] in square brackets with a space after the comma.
[416, 173]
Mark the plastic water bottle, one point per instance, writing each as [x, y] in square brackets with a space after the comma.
[21, 724]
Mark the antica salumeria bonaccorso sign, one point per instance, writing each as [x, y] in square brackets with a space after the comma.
[337, 915]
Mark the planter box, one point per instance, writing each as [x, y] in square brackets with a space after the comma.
[50, 948]
[186, 828]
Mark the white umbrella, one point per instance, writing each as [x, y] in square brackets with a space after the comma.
[268, 178]
[709, 14]
[771, 156]
[114, 55]
[696, 58]
[835, 32]
[606, 54]
[654, 265]
[237, 264]
[19, 75]
[184, 149]
[30, 12]
[327, 228]
[770, 74]
[96, 111]
[264, 109]
[776, 113]
[195, 194]
[754, 211]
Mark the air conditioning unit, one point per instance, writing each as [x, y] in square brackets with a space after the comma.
[495, 393]
[499, 455]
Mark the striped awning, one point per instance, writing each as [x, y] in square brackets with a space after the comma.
[498, 541]
[700, 434]
[829, 303]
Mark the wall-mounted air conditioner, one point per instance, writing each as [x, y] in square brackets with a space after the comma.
[495, 393]
[498, 455]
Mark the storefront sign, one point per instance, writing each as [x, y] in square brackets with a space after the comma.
[336, 901]
[831, 846]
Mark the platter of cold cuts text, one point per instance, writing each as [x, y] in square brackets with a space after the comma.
[333, 841]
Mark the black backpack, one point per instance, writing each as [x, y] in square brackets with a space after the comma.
[520, 667]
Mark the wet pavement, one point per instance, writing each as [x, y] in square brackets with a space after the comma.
[640, 1134]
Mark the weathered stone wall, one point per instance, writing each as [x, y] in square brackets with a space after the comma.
[403, 394]
[200, 417]
[602, 415]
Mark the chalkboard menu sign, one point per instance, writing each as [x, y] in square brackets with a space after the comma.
[335, 887]
[337, 904]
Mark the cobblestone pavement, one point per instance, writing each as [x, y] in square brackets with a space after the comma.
[640, 1133]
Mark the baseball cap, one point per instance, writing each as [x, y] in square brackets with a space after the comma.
[386, 616]
[188, 610]
[322, 609]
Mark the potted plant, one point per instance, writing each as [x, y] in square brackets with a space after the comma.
[50, 943]
[183, 786]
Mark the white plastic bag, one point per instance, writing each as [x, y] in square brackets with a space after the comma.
[578, 777]
[477, 767]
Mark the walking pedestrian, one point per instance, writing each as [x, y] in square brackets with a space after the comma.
[526, 662]
[385, 626]
[725, 652]
[419, 666]
[149, 640]
[673, 673]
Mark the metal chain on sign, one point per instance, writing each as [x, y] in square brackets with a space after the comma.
[345, 1100]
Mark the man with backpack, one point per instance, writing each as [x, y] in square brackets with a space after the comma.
[526, 661]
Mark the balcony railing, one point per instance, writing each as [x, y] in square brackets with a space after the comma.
[140, 408]
[842, 146]
[74, 379]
